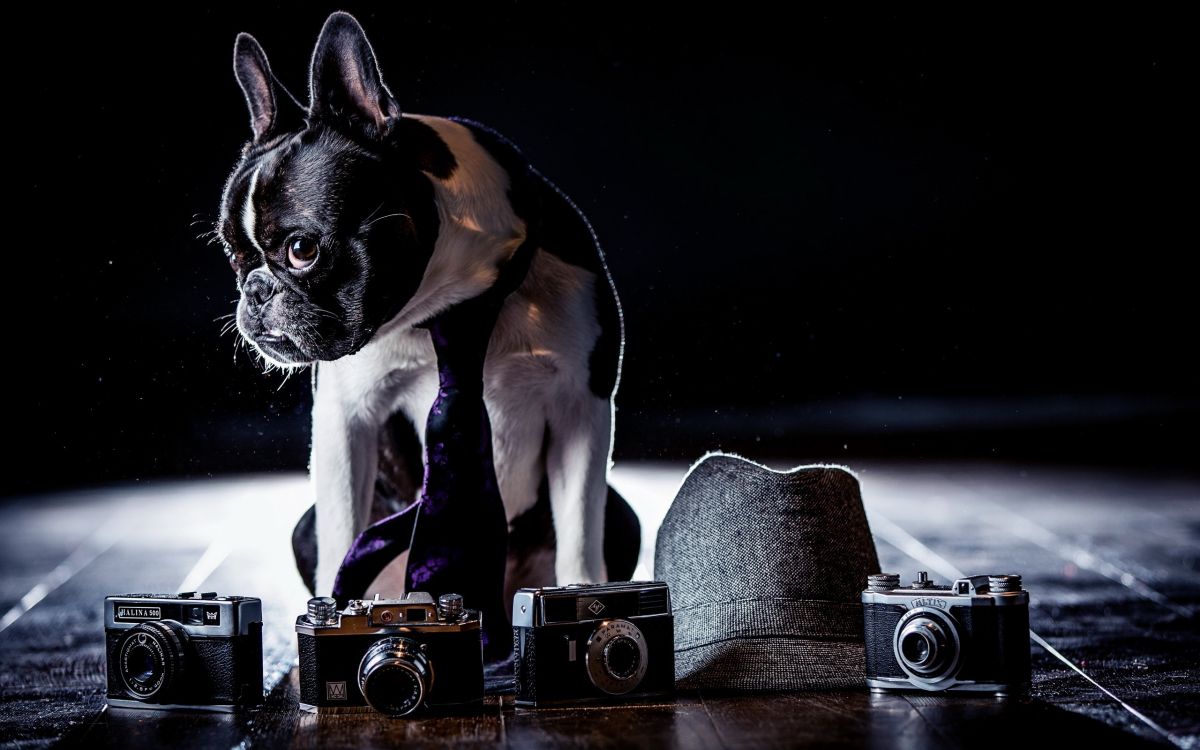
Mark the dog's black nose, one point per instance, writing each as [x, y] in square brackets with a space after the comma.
[258, 288]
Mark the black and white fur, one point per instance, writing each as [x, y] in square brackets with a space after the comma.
[410, 214]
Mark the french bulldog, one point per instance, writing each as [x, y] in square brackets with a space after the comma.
[349, 224]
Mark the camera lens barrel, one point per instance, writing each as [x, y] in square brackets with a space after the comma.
[394, 676]
[621, 657]
[926, 646]
[616, 657]
[151, 658]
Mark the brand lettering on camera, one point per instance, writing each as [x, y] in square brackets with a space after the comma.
[335, 691]
[939, 603]
[139, 613]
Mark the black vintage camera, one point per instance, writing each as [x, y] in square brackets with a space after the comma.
[396, 656]
[196, 651]
[595, 642]
[970, 636]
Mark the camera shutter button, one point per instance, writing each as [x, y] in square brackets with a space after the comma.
[923, 581]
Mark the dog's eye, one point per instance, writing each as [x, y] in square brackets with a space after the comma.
[302, 251]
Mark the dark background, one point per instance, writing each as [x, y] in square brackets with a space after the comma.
[922, 236]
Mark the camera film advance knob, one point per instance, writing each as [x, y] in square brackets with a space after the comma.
[450, 606]
[322, 611]
[883, 581]
[1004, 583]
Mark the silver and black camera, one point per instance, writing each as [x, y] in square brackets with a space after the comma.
[396, 656]
[972, 635]
[193, 650]
[595, 642]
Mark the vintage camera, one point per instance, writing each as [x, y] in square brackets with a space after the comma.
[396, 656]
[192, 650]
[970, 636]
[593, 642]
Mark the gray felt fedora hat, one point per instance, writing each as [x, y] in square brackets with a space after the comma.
[766, 569]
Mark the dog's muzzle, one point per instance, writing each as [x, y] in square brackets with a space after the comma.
[258, 323]
[260, 286]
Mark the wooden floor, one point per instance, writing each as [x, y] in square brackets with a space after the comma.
[1111, 560]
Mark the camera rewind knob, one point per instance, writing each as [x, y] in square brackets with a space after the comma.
[883, 581]
[322, 611]
[450, 606]
[1004, 583]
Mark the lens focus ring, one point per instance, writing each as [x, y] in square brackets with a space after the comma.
[394, 676]
[151, 657]
[616, 656]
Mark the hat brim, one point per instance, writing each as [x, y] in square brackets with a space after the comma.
[772, 663]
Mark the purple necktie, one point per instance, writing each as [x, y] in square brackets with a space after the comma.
[457, 532]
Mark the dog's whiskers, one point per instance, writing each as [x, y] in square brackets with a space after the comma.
[372, 214]
[323, 312]
[387, 216]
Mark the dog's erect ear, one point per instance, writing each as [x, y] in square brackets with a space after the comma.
[345, 83]
[272, 107]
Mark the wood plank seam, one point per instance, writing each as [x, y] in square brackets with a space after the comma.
[84, 555]
[1084, 558]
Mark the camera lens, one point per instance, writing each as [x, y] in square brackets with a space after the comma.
[616, 657]
[394, 676]
[151, 657]
[143, 667]
[926, 645]
[621, 657]
[918, 650]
